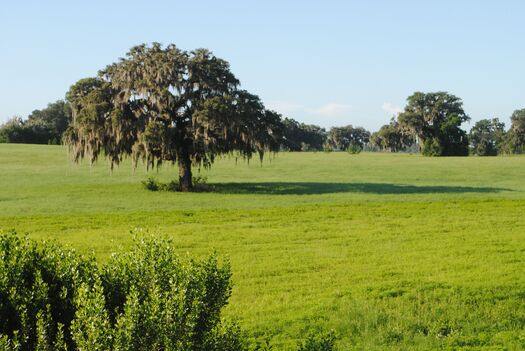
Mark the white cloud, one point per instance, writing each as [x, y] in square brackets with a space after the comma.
[326, 115]
[333, 110]
[328, 110]
[392, 109]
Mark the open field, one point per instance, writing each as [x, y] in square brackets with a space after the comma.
[390, 250]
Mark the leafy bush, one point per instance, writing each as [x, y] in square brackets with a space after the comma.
[37, 292]
[151, 184]
[199, 184]
[149, 298]
[155, 298]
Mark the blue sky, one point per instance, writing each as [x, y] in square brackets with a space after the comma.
[324, 62]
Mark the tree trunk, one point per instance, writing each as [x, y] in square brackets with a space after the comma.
[185, 178]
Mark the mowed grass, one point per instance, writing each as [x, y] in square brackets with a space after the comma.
[392, 251]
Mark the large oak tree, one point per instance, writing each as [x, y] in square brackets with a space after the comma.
[435, 120]
[164, 104]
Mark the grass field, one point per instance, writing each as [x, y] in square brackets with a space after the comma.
[392, 251]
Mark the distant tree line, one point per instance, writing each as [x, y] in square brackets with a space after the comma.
[44, 126]
[430, 123]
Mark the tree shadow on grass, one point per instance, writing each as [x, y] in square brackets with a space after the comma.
[316, 188]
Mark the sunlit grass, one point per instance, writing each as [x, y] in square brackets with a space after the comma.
[391, 251]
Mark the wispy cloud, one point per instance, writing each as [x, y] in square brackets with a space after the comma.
[286, 107]
[328, 110]
[392, 109]
[326, 115]
[333, 110]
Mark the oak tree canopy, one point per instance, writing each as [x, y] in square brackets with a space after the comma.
[163, 104]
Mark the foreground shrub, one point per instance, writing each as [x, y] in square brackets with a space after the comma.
[37, 292]
[145, 299]
[157, 300]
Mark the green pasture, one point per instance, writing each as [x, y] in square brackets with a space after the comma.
[392, 251]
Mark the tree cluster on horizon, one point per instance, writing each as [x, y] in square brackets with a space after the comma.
[162, 104]
[430, 123]
[44, 126]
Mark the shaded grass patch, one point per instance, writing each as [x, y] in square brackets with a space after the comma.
[316, 188]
